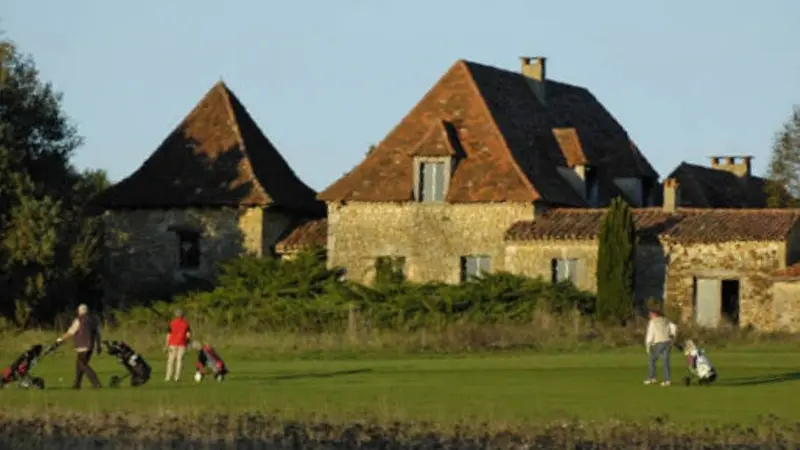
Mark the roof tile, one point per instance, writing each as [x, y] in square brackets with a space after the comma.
[307, 235]
[511, 153]
[217, 156]
[685, 226]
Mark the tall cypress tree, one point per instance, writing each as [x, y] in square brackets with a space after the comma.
[616, 266]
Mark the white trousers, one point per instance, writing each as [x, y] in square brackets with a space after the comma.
[175, 362]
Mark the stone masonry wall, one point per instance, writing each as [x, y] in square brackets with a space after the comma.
[752, 263]
[432, 238]
[786, 306]
[142, 254]
[534, 259]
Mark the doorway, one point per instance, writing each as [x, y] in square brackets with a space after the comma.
[730, 301]
[716, 300]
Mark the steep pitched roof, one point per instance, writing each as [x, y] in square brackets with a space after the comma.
[510, 150]
[685, 226]
[705, 187]
[309, 234]
[217, 156]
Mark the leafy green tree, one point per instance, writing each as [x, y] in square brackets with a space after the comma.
[616, 266]
[48, 244]
[783, 188]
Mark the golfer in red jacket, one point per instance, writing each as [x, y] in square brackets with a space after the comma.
[178, 337]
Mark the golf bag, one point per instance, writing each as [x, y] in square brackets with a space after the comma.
[20, 369]
[698, 365]
[137, 367]
[207, 357]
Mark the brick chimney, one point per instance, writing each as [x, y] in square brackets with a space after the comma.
[671, 195]
[741, 166]
[533, 67]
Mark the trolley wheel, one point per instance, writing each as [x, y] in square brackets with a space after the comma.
[114, 381]
[687, 381]
[37, 383]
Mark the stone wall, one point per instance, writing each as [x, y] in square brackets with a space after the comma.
[142, 254]
[534, 259]
[432, 238]
[786, 305]
[752, 263]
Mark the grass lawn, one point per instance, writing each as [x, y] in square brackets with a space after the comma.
[492, 388]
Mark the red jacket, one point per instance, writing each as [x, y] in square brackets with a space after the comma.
[178, 331]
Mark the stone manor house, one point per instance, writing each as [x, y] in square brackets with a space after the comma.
[492, 170]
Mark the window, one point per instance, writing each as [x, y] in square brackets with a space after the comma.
[189, 249]
[432, 181]
[390, 269]
[474, 266]
[565, 270]
[592, 186]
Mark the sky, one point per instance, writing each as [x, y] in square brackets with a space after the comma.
[326, 79]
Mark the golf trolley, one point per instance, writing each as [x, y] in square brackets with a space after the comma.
[137, 368]
[20, 369]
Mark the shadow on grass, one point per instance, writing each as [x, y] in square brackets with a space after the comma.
[338, 373]
[764, 379]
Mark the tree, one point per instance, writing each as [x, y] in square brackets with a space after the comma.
[48, 244]
[783, 187]
[616, 266]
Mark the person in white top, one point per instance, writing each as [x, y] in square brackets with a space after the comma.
[658, 343]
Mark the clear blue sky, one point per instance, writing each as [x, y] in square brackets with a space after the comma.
[325, 79]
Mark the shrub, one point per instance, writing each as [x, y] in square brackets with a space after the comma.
[303, 295]
[616, 264]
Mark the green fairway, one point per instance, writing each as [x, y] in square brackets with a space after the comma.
[491, 388]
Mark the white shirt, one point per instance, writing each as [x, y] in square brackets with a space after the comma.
[660, 329]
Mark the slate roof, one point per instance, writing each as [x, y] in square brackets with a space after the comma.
[685, 226]
[511, 150]
[217, 156]
[705, 187]
[309, 234]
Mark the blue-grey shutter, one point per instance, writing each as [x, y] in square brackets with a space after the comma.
[485, 264]
[438, 179]
[572, 267]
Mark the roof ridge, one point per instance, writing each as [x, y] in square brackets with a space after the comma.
[512, 72]
[496, 128]
[234, 122]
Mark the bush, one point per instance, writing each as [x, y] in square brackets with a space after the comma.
[303, 295]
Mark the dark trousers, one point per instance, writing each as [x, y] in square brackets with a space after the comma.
[82, 367]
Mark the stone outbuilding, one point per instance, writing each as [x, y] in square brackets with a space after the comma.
[715, 265]
[786, 298]
[214, 189]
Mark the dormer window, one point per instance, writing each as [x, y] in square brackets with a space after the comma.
[432, 179]
[632, 188]
[591, 184]
[435, 157]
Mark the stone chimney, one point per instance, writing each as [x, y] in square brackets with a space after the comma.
[533, 67]
[671, 195]
[741, 166]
